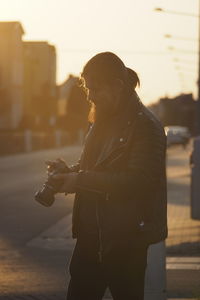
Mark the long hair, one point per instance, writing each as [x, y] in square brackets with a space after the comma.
[104, 68]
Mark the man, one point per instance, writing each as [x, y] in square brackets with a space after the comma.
[120, 186]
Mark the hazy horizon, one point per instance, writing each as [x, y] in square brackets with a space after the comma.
[131, 29]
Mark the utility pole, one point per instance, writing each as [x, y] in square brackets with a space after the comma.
[197, 117]
[195, 170]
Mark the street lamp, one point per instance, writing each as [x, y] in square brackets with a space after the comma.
[178, 67]
[171, 48]
[169, 36]
[159, 9]
[184, 61]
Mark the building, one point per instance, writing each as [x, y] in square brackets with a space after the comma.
[40, 105]
[178, 111]
[64, 91]
[11, 74]
[73, 108]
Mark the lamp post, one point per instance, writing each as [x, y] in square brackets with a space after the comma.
[197, 119]
[195, 174]
[169, 36]
[186, 61]
[159, 9]
[171, 48]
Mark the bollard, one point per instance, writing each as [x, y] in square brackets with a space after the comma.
[155, 278]
[195, 180]
[58, 135]
[28, 140]
[80, 136]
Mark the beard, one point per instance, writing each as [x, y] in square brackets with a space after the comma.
[99, 111]
[103, 108]
[102, 112]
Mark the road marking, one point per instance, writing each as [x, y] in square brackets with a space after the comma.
[57, 237]
[183, 263]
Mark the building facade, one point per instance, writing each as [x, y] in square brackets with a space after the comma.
[11, 74]
[40, 92]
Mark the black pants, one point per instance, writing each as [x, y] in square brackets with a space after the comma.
[122, 271]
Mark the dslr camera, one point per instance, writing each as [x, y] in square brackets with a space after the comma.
[45, 195]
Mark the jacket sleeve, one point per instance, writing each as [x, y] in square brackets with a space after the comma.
[143, 166]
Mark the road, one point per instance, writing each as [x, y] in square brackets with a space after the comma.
[35, 241]
[26, 270]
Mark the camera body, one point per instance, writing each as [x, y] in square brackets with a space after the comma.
[45, 196]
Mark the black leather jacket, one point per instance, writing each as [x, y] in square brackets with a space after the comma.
[128, 179]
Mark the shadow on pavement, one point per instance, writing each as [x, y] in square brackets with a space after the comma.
[184, 249]
[32, 296]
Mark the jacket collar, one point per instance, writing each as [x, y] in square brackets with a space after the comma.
[125, 120]
[132, 106]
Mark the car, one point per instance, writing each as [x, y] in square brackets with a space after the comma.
[177, 135]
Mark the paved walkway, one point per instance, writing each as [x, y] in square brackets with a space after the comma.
[183, 242]
[184, 233]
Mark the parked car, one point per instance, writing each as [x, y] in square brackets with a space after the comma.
[178, 135]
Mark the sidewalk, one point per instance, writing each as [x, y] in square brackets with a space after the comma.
[184, 233]
[183, 242]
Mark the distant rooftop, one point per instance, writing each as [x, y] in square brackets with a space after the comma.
[38, 43]
[11, 25]
[35, 42]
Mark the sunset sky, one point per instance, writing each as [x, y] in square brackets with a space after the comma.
[130, 28]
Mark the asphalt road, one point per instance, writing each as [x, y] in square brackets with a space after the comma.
[26, 270]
